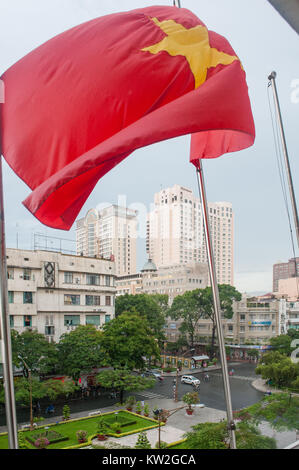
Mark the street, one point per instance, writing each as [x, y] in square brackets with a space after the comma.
[211, 394]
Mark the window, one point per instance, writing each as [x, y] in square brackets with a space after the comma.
[27, 274]
[11, 321]
[27, 298]
[92, 300]
[10, 297]
[107, 318]
[49, 330]
[10, 273]
[71, 299]
[92, 279]
[71, 320]
[107, 300]
[27, 320]
[107, 280]
[92, 320]
[68, 278]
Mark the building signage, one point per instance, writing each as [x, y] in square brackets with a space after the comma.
[259, 322]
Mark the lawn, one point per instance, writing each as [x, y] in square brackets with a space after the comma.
[89, 424]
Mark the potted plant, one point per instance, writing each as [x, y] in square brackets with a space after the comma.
[66, 412]
[130, 402]
[42, 443]
[138, 407]
[164, 415]
[146, 409]
[81, 436]
[102, 429]
[191, 398]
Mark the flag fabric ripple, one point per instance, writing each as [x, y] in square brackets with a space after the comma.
[83, 101]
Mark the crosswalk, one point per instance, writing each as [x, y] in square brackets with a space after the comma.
[150, 395]
[241, 377]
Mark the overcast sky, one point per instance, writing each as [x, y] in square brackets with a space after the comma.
[248, 179]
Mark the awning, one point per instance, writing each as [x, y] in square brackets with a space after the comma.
[200, 358]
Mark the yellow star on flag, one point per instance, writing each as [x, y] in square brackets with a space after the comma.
[193, 44]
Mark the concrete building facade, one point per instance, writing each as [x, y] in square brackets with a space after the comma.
[175, 233]
[254, 322]
[52, 293]
[170, 280]
[110, 233]
[287, 270]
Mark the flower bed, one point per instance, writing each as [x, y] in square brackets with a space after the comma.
[89, 424]
[50, 434]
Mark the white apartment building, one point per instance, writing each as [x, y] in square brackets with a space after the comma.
[175, 234]
[53, 293]
[110, 233]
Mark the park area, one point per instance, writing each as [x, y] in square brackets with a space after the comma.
[66, 435]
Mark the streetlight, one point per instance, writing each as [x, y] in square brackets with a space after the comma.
[30, 390]
[30, 387]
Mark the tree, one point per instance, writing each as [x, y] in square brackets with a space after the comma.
[80, 351]
[197, 304]
[282, 344]
[127, 339]
[51, 389]
[148, 306]
[121, 380]
[293, 334]
[189, 308]
[280, 410]
[227, 295]
[279, 369]
[33, 349]
[216, 436]
[142, 441]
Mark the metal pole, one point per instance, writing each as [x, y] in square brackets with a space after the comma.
[6, 354]
[177, 3]
[217, 309]
[272, 77]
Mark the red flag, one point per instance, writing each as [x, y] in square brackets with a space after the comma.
[79, 104]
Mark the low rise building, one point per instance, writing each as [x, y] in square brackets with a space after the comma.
[52, 292]
[252, 326]
[170, 280]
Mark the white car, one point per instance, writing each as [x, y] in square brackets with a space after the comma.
[189, 379]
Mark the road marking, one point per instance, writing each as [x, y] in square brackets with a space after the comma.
[241, 377]
[150, 395]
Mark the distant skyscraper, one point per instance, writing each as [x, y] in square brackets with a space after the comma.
[284, 271]
[110, 234]
[175, 232]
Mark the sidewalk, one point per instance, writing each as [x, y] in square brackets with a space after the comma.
[260, 385]
[179, 419]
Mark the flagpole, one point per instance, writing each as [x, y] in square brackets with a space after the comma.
[6, 353]
[216, 299]
[272, 77]
[217, 306]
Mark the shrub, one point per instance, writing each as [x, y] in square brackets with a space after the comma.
[66, 412]
[163, 445]
[138, 407]
[41, 443]
[130, 402]
[81, 436]
[102, 427]
[142, 441]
